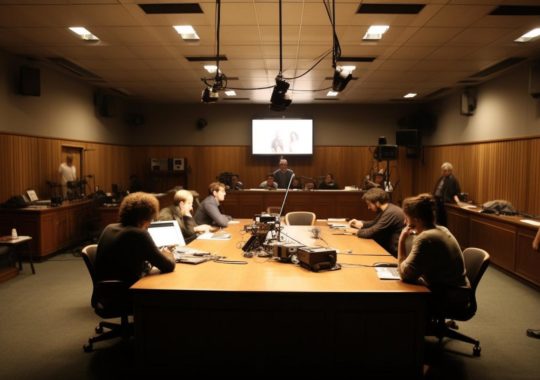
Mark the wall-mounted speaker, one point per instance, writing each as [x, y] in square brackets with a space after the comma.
[201, 123]
[29, 81]
[468, 102]
[534, 79]
[408, 137]
[104, 104]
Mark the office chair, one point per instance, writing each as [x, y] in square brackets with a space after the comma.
[300, 218]
[110, 299]
[476, 263]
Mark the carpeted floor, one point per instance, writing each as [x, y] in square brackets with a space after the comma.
[46, 318]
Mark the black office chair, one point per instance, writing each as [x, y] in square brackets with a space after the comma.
[300, 218]
[110, 299]
[476, 263]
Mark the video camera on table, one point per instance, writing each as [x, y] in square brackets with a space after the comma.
[259, 229]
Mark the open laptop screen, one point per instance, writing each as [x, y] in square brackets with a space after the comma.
[166, 233]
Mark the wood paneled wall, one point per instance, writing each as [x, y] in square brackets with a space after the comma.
[493, 170]
[349, 165]
[507, 170]
[29, 162]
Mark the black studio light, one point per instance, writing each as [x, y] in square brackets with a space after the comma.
[280, 100]
[209, 95]
[342, 76]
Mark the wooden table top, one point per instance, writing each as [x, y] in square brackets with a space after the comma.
[267, 275]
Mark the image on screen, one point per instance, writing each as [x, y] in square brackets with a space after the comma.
[282, 136]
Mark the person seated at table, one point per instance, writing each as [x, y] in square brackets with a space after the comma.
[296, 183]
[309, 184]
[269, 184]
[208, 212]
[125, 250]
[385, 229]
[435, 258]
[329, 183]
[378, 181]
[236, 184]
[180, 211]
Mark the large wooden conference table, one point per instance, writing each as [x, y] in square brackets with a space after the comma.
[267, 317]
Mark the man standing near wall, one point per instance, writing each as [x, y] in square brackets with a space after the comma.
[446, 191]
[283, 174]
[68, 173]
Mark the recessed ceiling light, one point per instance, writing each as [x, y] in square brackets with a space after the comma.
[349, 68]
[230, 93]
[83, 33]
[530, 35]
[375, 32]
[410, 95]
[187, 32]
[210, 68]
[332, 93]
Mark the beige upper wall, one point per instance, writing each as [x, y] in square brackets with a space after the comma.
[504, 110]
[65, 108]
[230, 124]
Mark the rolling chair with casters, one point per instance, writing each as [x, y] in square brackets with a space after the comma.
[110, 299]
[476, 263]
[300, 218]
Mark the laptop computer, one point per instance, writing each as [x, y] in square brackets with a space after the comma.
[168, 234]
[34, 200]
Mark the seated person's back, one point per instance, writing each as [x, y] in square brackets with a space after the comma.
[126, 250]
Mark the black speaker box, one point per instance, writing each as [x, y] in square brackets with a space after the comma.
[104, 104]
[386, 152]
[408, 137]
[29, 81]
[468, 102]
[534, 80]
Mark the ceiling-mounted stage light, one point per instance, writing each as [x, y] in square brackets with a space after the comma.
[209, 95]
[219, 82]
[342, 76]
[280, 100]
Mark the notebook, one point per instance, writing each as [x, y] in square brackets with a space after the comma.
[168, 234]
[386, 273]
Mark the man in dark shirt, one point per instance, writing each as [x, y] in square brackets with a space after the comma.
[180, 211]
[283, 174]
[126, 250]
[208, 212]
[447, 190]
[386, 228]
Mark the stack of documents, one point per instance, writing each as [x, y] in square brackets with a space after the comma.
[386, 273]
[337, 223]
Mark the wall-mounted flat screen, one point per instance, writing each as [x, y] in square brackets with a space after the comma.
[282, 136]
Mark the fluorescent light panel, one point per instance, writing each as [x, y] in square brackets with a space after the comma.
[84, 33]
[187, 32]
[375, 32]
[530, 35]
[210, 68]
[410, 95]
